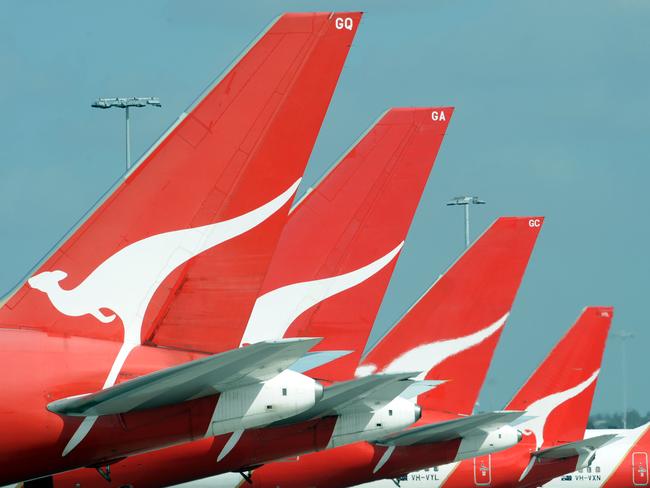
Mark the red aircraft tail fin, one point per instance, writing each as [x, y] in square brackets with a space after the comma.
[451, 332]
[336, 254]
[178, 251]
[557, 397]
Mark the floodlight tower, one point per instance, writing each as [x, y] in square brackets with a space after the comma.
[624, 335]
[126, 104]
[466, 201]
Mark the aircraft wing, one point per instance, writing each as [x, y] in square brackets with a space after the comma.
[315, 359]
[420, 387]
[577, 448]
[344, 395]
[584, 449]
[407, 388]
[195, 379]
[451, 429]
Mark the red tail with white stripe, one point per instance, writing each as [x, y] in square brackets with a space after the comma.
[455, 326]
[557, 399]
[559, 393]
[227, 170]
[337, 253]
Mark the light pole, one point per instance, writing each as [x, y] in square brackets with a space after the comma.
[624, 335]
[466, 201]
[126, 104]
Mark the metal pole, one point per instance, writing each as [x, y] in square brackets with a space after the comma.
[126, 104]
[466, 226]
[624, 366]
[466, 201]
[624, 335]
[128, 140]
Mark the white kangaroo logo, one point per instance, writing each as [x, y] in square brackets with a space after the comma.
[127, 280]
[426, 356]
[48, 283]
[540, 409]
[276, 310]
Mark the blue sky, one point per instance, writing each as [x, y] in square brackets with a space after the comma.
[552, 118]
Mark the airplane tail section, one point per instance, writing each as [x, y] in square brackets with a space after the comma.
[336, 254]
[183, 242]
[451, 332]
[557, 397]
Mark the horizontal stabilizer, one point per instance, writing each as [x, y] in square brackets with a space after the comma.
[195, 379]
[315, 359]
[585, 450]
[344, 395]
[380, 397]
[420, 387]
[577, 448]
[451, 429]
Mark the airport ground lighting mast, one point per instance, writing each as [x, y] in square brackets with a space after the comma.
[126, 104]
[466, 201]
[624, 335]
